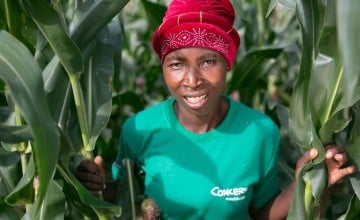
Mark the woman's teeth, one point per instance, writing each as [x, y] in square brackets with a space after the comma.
[195, 99]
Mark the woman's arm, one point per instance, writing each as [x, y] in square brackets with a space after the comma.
[335, 158]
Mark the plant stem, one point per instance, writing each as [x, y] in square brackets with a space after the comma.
[23, 159]
[131, 188]
[18, 121]
[81, 113]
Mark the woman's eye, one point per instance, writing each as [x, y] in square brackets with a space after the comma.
[209, 62]
[176, 65]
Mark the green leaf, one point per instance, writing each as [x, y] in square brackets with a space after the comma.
[326, 83]
[84, 200]
[83, 33]
[54, 202]
[13, 17]
[155, 13]
[23, 193]
[291, 4]
[271, 7]
[353, 211]
[247, 69]
[348, 25]
[353, 147]
[14, 134]
[98, 85]
[9, 172]
[297, 210]
[129, 98]
[76, 193]
[310, 15]
[96, 17]
[10, 212]
[52, 27]
[302, 130]
[23, 76]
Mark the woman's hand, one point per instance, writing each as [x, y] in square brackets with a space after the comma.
[91, 175]
[335, 158]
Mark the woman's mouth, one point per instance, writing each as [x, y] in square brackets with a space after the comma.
[195, 100]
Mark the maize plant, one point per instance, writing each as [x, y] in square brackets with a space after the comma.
[57, 64]
[73, 70]
[325, 97]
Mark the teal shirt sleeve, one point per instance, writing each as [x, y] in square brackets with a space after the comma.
[268, 187]
[129, 140]
[117, 168]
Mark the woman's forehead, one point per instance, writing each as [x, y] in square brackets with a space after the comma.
[192, 52]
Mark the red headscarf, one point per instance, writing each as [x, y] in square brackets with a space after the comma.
[198, 23]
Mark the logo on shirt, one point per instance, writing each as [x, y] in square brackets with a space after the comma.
[230, 194]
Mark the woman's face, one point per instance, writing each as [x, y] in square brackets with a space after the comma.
[196, 78]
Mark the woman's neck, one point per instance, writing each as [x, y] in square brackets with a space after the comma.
[202, 123]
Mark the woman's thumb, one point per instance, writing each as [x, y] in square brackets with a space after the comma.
[98, 160]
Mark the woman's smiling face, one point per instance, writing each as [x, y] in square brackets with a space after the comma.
[196, 78]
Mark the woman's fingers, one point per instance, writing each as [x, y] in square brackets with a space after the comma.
[335, 158]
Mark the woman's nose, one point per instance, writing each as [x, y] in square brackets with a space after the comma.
[192, 78]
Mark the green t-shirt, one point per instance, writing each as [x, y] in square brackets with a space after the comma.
[214, 175]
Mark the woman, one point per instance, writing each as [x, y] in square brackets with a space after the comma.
[205, 155]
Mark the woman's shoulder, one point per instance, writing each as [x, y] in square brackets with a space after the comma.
[150, 115]
[247, 114]
[246, 110]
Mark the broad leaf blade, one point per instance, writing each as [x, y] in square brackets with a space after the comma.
[348, 31]
[9, 172]
[14, 134]
[23, 193]
[76, 193]
[84, 199]
[97, 84]
[54, 202]
[23, 76]
[52, 27]
[353, 148]
[245, 70]
[100, 14]
[310, 15]
[155, 12]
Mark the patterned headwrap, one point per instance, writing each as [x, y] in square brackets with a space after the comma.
[198, 23]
